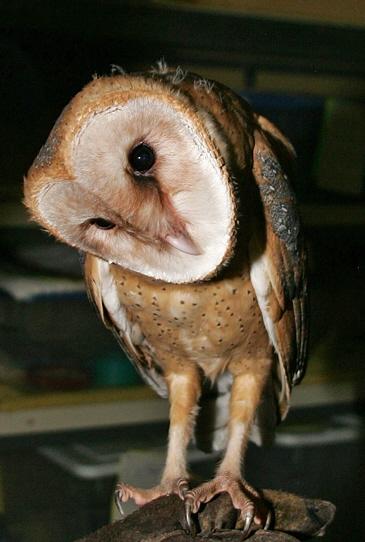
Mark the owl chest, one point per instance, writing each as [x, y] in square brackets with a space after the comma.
[212, 324]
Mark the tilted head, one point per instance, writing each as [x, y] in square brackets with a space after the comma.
[135, 172]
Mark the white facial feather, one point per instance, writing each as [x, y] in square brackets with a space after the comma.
[189, 177]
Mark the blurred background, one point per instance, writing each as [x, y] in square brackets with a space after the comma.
[73, 414]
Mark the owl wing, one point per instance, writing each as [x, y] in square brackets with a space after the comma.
[102, 288]
[278, 271]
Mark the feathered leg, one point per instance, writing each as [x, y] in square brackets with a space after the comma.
[245, 397]
[184, 391]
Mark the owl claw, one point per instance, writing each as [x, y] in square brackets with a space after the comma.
[247, 526]
[268, 521]
[244, 498]
[188, 517]
[183, 489]
[118, 503]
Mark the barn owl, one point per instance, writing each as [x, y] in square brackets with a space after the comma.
[179, 196]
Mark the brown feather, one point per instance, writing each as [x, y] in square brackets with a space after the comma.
[284, 252]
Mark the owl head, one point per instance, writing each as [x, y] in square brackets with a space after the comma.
[137, 171]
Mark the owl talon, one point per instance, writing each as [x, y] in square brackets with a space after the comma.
[118, 503]
[268, 521]
[188, 518]
[248, 524]
[182, 488]
[182, 491]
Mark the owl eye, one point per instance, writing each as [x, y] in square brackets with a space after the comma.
[141, 158]
[102, 223]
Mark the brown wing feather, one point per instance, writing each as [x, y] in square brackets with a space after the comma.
[284, 253]
[102, 290]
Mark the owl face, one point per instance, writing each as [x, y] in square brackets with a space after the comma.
[135, 174]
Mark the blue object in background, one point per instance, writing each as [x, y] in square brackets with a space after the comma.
[299, 117]
[114, 370]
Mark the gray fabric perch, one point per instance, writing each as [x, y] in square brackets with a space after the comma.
[294, 518]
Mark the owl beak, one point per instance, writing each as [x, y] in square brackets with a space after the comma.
[184, 243]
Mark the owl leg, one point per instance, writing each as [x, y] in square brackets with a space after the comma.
[245, 397]
[184, 391]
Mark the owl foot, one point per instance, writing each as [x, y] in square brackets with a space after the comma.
[253, 513]
[140, 496]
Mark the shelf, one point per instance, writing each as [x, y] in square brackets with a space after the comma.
[311, 11]
[33, 413]
[22, 413]
[218, 38]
